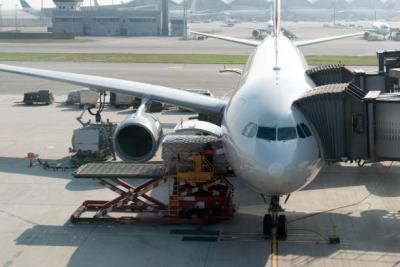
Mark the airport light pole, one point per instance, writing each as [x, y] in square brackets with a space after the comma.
[16, 17]
[1, 17]
[185, 25]
[41, 12]
[334, 12]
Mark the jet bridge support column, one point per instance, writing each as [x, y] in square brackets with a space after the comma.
[165, 19]
[369, 98]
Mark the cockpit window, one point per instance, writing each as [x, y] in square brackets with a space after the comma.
[266, 133]
[287, 133]
[300, 131]
[250, 130]
[306, 130]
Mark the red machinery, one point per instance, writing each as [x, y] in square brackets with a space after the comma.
[196, 195]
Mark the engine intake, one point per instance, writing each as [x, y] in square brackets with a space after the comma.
[256, 34]
[137, 138]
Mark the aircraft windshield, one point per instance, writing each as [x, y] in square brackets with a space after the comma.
[250, 130]
[267, 133]
[306, 130]
[300, 132]
[287, 133]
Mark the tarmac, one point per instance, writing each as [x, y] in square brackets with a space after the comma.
[174, 45]
[359, 205]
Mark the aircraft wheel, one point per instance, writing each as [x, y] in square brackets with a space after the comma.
[282, 227]
[267, 224]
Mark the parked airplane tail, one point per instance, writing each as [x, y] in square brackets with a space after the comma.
[25, 4]
[96, 3]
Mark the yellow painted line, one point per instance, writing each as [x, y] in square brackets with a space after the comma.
[274, 248]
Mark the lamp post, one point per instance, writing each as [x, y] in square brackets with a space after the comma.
[1, 17]
[16, 17]
[185, 26]
[334, 12]
[41, 12]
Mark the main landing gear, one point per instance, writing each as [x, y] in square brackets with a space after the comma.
[274, 220]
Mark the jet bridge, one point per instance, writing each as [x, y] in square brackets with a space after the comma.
[330, 74]
[353, 124]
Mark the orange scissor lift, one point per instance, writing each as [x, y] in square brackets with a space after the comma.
[196, 194]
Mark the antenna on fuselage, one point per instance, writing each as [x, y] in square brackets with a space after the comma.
[277, 30]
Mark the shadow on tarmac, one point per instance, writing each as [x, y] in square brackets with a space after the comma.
[21, 166]
[380, 180]
[122, 245]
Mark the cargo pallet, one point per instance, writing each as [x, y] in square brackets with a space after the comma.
[196, 195]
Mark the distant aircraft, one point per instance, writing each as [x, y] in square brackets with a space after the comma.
[249, 14]
[381, 28]
[268, 141]
[378, 28]
[261, 33]
[228, 22]
[29, 9]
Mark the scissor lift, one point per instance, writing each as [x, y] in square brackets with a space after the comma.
[196, 195]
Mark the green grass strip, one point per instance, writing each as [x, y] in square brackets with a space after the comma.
[172, 58]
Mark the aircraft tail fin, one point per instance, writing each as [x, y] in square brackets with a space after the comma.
[25, 4]
[96, 3]
[277, 18]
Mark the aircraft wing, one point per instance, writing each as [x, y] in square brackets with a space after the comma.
[230, 39]
[168, 95]
[326, 39]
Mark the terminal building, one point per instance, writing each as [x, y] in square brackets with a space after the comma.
[70, 17]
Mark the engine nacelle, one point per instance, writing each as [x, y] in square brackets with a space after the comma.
[137, 138]
[256, 34]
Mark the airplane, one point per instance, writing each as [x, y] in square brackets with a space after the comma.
[228, 22]
[249, 14]
[267, 140]
[29, 9]
[261, 33]
[378, 28]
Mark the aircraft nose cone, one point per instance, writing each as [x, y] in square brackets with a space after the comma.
[276, 170]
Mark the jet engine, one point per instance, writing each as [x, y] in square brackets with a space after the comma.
[137, 138]
[256, 34]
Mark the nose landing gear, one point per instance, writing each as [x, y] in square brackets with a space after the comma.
[274, 220]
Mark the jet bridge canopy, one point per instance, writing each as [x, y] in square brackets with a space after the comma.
[338, 114]
[352, 124]
[330, 74]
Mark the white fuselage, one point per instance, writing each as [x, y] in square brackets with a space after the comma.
[381, 28]
[280, 162]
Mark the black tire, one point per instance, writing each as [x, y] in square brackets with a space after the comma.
[267, 225]
[282, 227]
